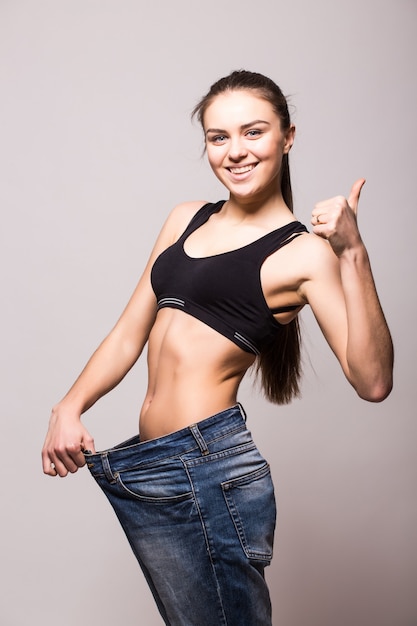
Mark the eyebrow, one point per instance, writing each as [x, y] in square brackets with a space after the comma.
[243, 127]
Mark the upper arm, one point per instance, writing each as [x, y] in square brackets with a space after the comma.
[322, 290]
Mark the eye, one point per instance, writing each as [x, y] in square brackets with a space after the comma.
[217, 139]
[253, 133]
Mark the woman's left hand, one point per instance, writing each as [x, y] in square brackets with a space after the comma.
[335, 220]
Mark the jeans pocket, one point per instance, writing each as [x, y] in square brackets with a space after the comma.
[134, 492]
[160, 484]
[251, 503]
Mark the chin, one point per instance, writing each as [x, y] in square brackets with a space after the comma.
[248, 194]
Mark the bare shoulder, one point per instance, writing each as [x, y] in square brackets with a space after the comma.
[186, 210]
[181, 215]
[313, 256]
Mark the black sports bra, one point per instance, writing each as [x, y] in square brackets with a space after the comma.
[223, 291]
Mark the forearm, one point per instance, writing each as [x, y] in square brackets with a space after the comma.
[105, 369]
[67, 437]
[369, 350]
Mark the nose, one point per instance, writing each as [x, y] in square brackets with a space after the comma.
[237, 149]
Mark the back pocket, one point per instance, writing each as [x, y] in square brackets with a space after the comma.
[251, 503]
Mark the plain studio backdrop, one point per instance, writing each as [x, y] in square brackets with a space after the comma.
[96, 147]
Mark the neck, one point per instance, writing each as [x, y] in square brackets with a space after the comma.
[265, 205]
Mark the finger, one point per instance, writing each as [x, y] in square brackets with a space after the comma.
[61, 469]
[70, 459]
[355, 192]
[65, 464]
[88, 444]
[65, 460]
[318, 219]
[49, 467]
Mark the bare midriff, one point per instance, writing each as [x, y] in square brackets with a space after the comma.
[194, 372]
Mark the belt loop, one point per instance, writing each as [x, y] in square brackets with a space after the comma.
[242, 411]
[199, 439]
[107, 469]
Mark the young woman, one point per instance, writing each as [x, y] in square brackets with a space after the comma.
[221, 292]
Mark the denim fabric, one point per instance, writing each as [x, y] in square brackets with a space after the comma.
[198, 509]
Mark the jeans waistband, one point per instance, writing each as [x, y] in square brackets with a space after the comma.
[132, 453]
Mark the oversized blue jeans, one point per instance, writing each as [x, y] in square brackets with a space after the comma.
[198, 509]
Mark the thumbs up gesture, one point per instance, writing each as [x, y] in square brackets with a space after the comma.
[335, 220]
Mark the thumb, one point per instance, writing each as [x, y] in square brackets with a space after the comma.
[87, 442]
[355, 192]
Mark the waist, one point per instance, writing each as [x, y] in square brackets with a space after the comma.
[135, 453]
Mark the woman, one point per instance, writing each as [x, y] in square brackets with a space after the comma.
[221, 292]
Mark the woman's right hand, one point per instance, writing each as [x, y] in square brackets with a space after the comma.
[67, 438]
[64, 444]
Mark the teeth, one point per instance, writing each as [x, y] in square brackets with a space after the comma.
[241, 170]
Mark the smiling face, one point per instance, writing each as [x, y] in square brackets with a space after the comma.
[245, 144]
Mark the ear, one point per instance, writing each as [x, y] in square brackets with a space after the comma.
[289, 139]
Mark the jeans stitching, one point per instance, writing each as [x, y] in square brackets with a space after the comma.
[203, 526]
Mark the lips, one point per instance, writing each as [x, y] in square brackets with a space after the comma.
[243, 169]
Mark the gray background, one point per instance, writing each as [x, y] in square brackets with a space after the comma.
[96, 147]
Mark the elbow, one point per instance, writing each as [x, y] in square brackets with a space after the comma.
[377, 391]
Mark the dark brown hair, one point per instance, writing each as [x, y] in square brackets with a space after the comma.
[279, 364]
